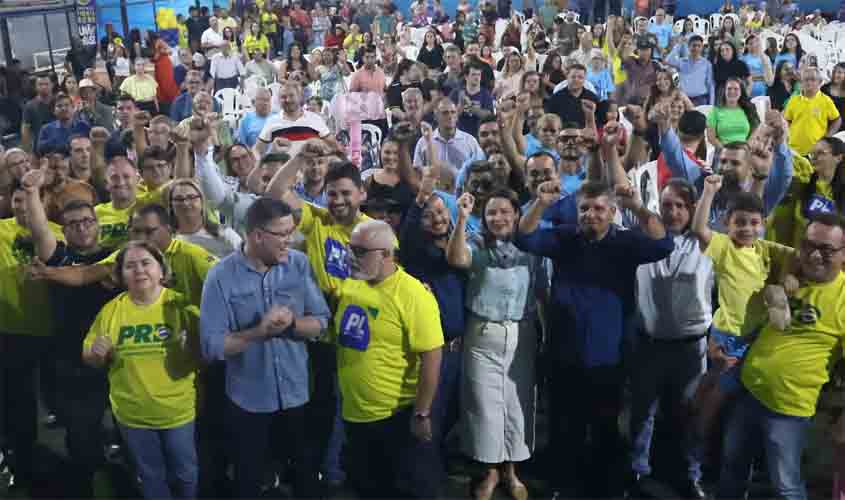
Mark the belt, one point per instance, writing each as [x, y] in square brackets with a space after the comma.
[453, 345]
[677, 340]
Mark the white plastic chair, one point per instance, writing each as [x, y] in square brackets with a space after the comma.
[373, 130]
[701, 27]
[252, 84]
[715, 21]
[228, 100]
[644, 179]
[274, 89]
[704, 109]
[541, 60]
[763, 103]
[411, 52]
[678, 27]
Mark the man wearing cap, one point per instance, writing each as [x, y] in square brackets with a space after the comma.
[696, 72]
[93, 111]
[642, 74]
[212, 40]
[58, 132]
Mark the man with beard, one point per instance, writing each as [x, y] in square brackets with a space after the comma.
[82, 164]
[481, 183]
[82, 391]
[567, 103]
[260, 342]
[422, 241]
[293, 123]
[58, 188]
[764, 163]
[327, 232]
[389, 343]
[595, 266]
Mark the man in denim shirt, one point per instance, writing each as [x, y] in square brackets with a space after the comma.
[592, 299]
[259, 306]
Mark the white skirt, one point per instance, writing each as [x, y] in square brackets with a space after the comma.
[498, 392]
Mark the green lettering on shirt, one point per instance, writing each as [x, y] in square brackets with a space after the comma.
[126, 332]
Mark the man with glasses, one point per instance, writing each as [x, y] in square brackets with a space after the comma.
[82, 391]
[188, 262]
[389, 341]
[812, 114]
[258, 306]
[784, 370]
[156, 169]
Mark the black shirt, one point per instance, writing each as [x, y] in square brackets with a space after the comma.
[37, 114]
[76, 307]
[568, 107]
[431, 58]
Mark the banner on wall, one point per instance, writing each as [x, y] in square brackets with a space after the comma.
[86, 20]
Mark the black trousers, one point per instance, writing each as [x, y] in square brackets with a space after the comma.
[254, 435]
[385, 460]
[81, 401]
[19, 359]
[584, 408]
[321, 410]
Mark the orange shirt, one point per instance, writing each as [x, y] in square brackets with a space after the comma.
[167, 88]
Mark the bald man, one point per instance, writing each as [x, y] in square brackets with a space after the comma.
[389, 352]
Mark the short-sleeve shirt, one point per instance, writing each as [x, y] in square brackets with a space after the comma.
[786, 369]
[308, 126]
[380, 332]
[151, 375]
[114, 224]
[731, 124]
[808, 120]
[37, 114]
[143, 90]
[741, 274]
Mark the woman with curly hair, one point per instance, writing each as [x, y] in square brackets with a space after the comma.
[734, 118]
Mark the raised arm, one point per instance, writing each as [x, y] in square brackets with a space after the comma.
[457, 250]
[99, 137]
[547, 194]
[700, 221]
[281, 186]
[44, 239]
[139, 131]
[637, 148]
[507, 118]
[650, 223]
[613, 165]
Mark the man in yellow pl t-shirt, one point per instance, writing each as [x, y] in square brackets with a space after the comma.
[389, 342]
[784, 371]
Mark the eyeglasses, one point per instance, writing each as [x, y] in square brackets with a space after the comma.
[146, 231]
[826, 251]
[360, 252]
[282, 236]
[81, 223]
[568, 139]
[186, 199]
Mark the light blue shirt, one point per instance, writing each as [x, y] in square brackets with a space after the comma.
[696, 76]
[603, 82]
[453, 152]
[663, 32]
[250, 127]
[270, 375]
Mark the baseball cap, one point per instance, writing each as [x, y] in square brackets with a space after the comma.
[87, 83]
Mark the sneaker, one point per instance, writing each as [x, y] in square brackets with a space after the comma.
[51, 420]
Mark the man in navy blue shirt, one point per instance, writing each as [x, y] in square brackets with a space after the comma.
[58, 132]
[595, 267]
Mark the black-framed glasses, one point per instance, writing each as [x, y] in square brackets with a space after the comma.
[281, 235]
[361, 252]
[81, 223]
[826, 251]
[186, 199]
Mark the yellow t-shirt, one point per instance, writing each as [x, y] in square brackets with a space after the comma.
[380, 330]
[143, 90]
[253, 44]
[325, 245]
[151, 375]
[24, 303]
[269, 21]
[785, 370]
[148, 197]
[189, 265]
[183, 36]
[786, 223]
[741, 273]
[808, 120]
[114, 224]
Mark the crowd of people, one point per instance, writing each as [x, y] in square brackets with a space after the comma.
[254, 301]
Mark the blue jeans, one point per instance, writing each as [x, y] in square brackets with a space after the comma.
[445, 408]
[668, 373]
[164, 457]
[751, 426]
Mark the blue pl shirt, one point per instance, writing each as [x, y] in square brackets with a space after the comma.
[593, 287]
[271, 375]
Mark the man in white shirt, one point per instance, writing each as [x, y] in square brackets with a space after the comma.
[293, 122]
[453, 146]
[212, 39]
[226, 69]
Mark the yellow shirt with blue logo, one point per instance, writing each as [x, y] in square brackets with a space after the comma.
[786, 370]
[380, 331]
[153, 366]
[24, 304]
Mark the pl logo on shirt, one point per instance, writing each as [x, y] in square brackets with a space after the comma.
[355, 328]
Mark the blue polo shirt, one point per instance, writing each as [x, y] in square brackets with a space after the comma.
[55, 134]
